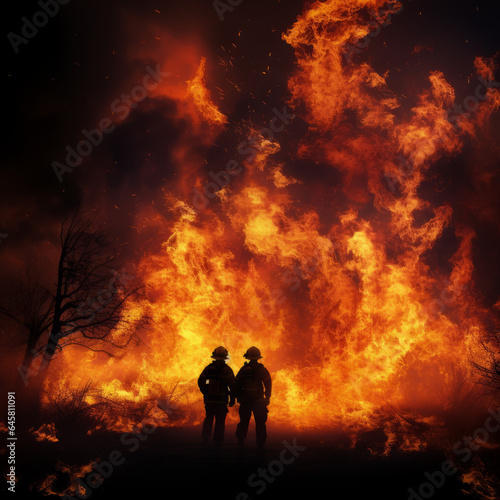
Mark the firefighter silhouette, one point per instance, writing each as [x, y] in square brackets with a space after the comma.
[217, 384]
[253, 391]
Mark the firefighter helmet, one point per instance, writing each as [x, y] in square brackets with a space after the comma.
[220, 353]
[252, 353]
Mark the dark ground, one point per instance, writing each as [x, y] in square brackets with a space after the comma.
[173, 463]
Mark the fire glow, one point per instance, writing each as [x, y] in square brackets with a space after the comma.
[342, 306]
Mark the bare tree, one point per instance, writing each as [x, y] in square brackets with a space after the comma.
[83, 305]
[488, 365]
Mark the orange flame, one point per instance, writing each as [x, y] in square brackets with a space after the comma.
[198, 92]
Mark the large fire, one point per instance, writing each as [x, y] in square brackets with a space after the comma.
[341, 291]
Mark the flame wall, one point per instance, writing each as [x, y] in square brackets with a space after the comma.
[341, 286]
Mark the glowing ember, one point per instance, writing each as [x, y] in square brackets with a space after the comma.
[46, 432]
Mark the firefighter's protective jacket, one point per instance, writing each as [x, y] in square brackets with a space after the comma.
[253, 382]
[217, 382]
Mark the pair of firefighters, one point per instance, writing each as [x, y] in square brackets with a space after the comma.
[251, 387]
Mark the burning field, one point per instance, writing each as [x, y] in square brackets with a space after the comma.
[319, 180]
